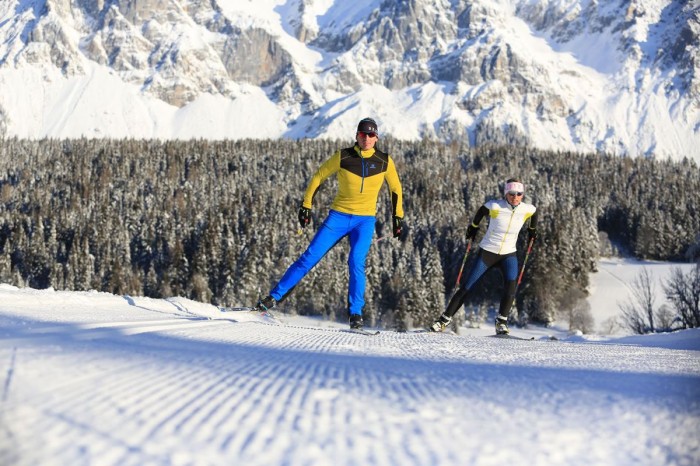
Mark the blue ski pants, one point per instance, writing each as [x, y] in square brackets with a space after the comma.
[359, 229]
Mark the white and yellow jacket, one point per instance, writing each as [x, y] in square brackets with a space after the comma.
[505, 222]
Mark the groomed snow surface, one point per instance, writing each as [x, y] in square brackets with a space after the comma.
[90, 378]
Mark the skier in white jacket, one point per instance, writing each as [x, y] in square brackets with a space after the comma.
[498, 249]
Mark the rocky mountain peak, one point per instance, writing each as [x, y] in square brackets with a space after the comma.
[569, 74]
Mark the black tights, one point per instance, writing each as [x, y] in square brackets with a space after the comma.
[485, 262]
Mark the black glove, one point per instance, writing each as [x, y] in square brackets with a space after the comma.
[304, 216]
[472, 231]
[531, 234]
[398, 223]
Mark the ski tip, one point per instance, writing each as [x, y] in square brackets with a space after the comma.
[235, 309]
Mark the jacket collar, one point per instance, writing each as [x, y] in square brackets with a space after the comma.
[365, 154]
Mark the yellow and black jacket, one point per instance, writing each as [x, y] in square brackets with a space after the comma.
[360, 177]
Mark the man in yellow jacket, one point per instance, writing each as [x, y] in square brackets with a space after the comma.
[361, 171]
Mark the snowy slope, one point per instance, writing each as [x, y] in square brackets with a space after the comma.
[93, 378]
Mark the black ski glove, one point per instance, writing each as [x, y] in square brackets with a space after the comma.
[472, 231]
[531, 234]
[304, 216]
[398, 224]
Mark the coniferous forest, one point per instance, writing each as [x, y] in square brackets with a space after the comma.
[217, 221]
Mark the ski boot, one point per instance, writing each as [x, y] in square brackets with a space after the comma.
[502, 325]
[264, 305]
[440, 324]
[356, 322]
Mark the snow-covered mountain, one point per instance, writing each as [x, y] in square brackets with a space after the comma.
[621, 76]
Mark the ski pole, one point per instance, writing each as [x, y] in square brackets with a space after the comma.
[464, 261]
[522, 269]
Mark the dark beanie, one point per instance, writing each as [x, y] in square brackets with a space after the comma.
[367, 125]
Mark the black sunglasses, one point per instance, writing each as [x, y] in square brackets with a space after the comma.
[514, 193]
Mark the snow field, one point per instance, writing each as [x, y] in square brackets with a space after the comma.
[92, 378]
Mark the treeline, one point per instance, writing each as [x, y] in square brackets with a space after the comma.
[216, 221]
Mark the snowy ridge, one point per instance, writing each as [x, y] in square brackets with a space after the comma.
[93, 377]
[558, 74]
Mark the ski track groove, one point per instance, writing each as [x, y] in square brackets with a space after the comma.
[254, 392]
[8, 375]
[211, 396]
